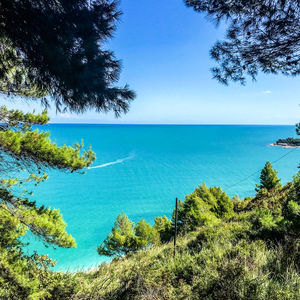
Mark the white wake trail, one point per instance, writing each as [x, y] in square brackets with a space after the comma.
[118, 161]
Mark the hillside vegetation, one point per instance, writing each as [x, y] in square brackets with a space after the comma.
[232, 249]
[252, 253]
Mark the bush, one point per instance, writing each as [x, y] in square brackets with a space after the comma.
[204, 206]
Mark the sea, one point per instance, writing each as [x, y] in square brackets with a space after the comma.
[141, 169]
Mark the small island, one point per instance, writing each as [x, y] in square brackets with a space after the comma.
[288, 143]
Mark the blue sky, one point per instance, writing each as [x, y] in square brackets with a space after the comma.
[164, 47]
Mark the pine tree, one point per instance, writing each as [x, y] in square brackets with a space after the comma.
[204, 206]
[164, 228]
[268, 178]
[58, 49]
[262, 35]
[145, 235]
[25, 156]
[127, 237]
[121, 240]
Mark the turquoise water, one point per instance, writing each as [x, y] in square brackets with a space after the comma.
[142, 168]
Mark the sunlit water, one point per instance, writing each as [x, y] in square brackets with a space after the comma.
[141, 169]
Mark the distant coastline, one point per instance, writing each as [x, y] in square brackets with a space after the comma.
[287, 143]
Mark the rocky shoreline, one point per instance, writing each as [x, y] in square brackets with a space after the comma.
[287, 143]
[284, 145]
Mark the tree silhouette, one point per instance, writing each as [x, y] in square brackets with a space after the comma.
[262, 35]
[57, 48]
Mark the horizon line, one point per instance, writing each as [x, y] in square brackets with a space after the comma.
[169, 124]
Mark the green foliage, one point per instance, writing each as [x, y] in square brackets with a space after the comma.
[224, 205]
[25, 155]
[145, 235]
[121, 239]
[227, 249]
[266, 219]
[291, 208]
[288, 142]
[268, 178]
[19, 273]
[296, 188]
[26, 146]
[127, 237]
[47, 224]
[48, 49]
[252, 253]
[204, 206]
[164, 228]
[262, 35]
[58, 49]
[15, 78]
[17, 119]
[195, 212]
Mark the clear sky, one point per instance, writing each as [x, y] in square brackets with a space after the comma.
[164, 47]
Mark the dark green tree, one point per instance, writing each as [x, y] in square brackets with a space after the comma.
[145, 235]
[127, 237]
[163, 226]
[57, 49]
[295, 195]
[121, 240]
[48, 50]
[268, 178]
[262, 35]
[196, 210]
[291, 208]
[204, 206]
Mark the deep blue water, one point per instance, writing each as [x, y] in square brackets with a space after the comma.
[161, 162]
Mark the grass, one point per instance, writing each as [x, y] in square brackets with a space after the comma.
[224, 265]
[251, 253]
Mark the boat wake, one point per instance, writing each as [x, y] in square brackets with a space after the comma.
[118, 161]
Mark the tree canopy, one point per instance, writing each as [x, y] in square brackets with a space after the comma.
[274, 210]
[121, 239]
[25, 156]
[262, 35]
[127, 237]
[268, 178]
[205, 206]
[48, 50]
[57, 49]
